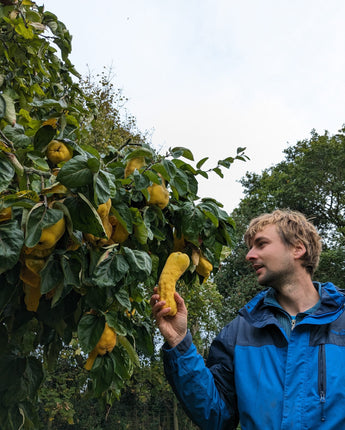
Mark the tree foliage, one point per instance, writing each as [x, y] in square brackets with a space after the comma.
[311, 180]
[64, 272]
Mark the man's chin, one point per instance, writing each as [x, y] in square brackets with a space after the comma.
[263, 282]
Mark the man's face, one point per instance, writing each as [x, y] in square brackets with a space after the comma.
[272, 260]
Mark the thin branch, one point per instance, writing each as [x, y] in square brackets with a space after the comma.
[7, 141]
[31, 170]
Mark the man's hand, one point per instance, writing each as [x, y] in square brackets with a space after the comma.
[174, 328]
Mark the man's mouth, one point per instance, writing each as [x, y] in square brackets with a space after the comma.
[257, 267]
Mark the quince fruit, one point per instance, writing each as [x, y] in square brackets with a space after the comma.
[32, 297]
[5, 214]
[204, 268]
[134, 163]
[159, 195]
[104, 209]
[51, 235]
[57, 152]
[119, 232]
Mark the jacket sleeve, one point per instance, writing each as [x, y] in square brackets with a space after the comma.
[203, 391]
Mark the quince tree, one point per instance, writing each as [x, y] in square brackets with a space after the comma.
[84, 235]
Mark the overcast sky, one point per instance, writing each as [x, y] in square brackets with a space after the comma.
[213, 75]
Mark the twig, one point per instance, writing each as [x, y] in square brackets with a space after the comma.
[31, 170]
[7, 142]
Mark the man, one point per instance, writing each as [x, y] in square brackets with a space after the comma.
[280, 364]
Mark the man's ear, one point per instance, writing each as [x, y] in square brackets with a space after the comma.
[299, 250]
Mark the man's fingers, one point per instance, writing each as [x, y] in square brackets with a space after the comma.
[154, 299]
[178, 299]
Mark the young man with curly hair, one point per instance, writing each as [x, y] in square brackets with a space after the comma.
[280, 364]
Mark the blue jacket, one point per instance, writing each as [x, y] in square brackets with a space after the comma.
[257, 374]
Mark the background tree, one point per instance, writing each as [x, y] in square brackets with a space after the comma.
[311, 180]
[112, 126]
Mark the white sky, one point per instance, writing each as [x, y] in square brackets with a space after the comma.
[213, 75]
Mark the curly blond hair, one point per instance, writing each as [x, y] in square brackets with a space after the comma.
[293, 227]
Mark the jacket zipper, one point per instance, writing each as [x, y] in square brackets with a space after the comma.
[293, 322]
[322, 379]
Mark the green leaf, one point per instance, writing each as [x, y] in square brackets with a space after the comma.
[181, 151]
[93, 164]
[3, 338]
[26, 199]
[180, 182]
[170, 168]
[52, 275]
[191, 218]
[112, 317]
[50, 104]
[241, 149]
[36, 88]
[123, 364]
[129, 349]
[202, 173]
[90, 150]
[152, 176]
[160, 168]
[141, 181]
[227, 232]
[139, 152]
[124, 214]
[71, 267]
[187, 168]
[39, 218]
[33, 375]
[21, 377]
[6, 174]
[144, 341]
[43, 136]
[11, 243]
[201, 162]
[139, 262]
[84, 216]
[75, 173]
[141, 233]
[25, 31]
[218, 171]
[101, 187]
[16, 134]
[10, 110]
[90, 329]
[111, 269]
[225, 163]
[39, 162]
[212, 217]
[2, 107]
[122, 297]
[103, 372]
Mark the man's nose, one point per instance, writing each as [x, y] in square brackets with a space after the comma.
[251, 254]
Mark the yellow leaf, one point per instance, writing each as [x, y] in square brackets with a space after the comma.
[52, 122]
[4, 147]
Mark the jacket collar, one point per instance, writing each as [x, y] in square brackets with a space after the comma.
[258, 311]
